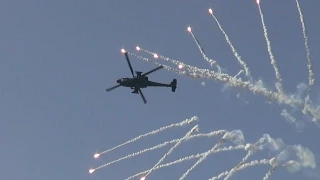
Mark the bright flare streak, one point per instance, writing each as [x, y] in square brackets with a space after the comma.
[189, 29]
[180, 66]
[96, 155]
[91, 171]
[258, 1]
[210, 11]
[138, 48]
[143, 178]
[155, 56]
[123, 51]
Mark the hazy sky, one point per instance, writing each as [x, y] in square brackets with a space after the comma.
[58, 57]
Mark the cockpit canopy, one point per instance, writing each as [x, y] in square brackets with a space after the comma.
[122, 80]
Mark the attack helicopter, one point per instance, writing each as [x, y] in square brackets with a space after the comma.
[141, 80]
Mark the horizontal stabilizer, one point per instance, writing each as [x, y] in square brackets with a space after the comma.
[173, 85]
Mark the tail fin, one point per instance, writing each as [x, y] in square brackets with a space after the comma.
[173, 85]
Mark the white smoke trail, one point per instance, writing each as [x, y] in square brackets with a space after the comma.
[293, 158]
[291, 100]
[237, 168]
[189, 67]
[205, 57]
[159, 64]
[292, 120]
[243, 166]
[211, 134]
[269, 173]
[235, 136]
[187, 121]
[281, 98]
[305, 157]
[235, 76]
[273, 61]
[311, 74]
[194, 129]
[181, 160]
[243, 63]
[204, 156]
[193, 71]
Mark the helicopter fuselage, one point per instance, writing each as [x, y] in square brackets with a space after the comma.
[134, 82]
[141, 82]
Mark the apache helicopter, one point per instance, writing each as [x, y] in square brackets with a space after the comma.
[141, 80]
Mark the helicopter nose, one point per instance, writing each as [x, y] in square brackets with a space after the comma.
[118, 81]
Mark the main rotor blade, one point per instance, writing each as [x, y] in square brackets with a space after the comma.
[153, 70]
[130, 66]
[143, 98]
[112, 88]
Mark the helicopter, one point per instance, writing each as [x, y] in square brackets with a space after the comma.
[141, 80]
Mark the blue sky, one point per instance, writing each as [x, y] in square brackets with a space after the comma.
[58, 58]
